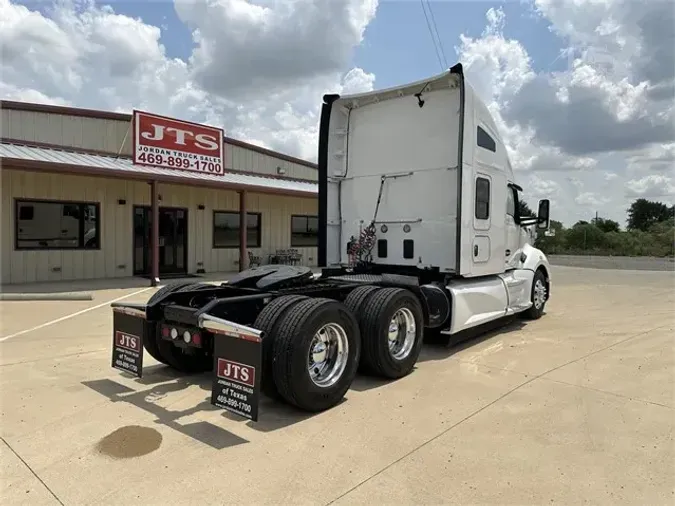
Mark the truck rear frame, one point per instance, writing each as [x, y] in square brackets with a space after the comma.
[254, 332]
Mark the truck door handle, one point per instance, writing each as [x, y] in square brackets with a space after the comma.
[475, 250]
[508, 252]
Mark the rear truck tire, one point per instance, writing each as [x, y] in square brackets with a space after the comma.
[169, 354]
[196, 286]
[358, 296]
[392, 332]
[316, 354]
[354, 302]
[537, 297]
[268, 321]
[150, 343]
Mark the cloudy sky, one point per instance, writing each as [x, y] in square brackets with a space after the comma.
[583, 90]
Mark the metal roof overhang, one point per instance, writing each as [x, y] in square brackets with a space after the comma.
[41, 159]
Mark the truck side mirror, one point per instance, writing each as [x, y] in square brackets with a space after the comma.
[543, 219]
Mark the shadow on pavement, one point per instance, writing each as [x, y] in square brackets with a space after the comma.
[274, 415]
[204, 432]
[163, 381]
[440, 347]
[364, 382]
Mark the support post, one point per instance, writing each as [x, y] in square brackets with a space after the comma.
[154, 234]
[243, 251]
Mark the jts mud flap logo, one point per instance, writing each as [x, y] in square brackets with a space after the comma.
[234, 371]
[127, 341]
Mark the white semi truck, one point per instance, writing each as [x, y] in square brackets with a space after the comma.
[419, 231]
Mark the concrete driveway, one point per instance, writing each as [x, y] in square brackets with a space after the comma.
[577, 407]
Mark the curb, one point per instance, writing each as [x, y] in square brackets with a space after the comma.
[45, 296]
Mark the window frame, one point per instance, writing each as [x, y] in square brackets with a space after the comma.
[18, 201]
[491, 145]
[516, 197]
[489, 198]
[307, 217]
[236, 246]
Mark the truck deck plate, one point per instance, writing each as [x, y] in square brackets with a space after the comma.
[358, 278]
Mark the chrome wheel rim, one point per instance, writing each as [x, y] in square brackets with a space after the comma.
[402, 333]
[327, 357]
[539, 294]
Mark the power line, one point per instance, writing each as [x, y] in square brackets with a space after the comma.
[438, 36]
[433, 39]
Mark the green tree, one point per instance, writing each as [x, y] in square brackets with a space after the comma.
[552, 240]
[524, 210]
[601, 236]
[663, 237]
[584, 236]
[643, 213]
[606, 225]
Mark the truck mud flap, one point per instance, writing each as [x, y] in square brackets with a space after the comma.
[130, 328]
[237, 366]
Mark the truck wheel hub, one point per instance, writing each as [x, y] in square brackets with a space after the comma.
[402, 333]
[539, 294]
[328, 353]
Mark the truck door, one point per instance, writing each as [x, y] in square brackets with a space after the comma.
[512, 230]
[489, 203]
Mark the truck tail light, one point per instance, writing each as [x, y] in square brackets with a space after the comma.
[197, 339]
[165, 332]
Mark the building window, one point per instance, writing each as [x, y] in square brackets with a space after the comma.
[226, 229]
[304, 231]
[50, 225]
[484, 140]
[482, 198]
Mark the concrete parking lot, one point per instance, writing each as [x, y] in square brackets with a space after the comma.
[577, 407]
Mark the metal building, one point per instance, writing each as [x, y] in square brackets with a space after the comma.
[75, 207]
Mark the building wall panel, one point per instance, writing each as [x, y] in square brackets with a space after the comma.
[110, 136]
[239, 158]
[115, 258]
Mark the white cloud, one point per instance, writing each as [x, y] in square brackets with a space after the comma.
[653, 185]
[590, 199]
[590, 137]
[584, 132]
[258, 70]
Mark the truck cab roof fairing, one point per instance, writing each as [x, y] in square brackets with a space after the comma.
[452, 78]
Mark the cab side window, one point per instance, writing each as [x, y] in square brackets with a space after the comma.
[510, 202]
[482, 208]
[483, 140]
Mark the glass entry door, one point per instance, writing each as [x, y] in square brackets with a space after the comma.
[172, 240]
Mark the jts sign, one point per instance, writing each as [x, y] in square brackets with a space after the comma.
[173, 144]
